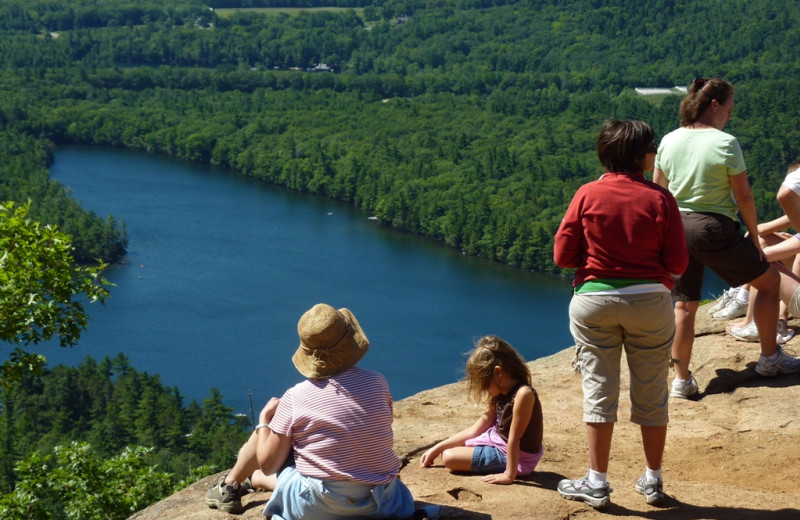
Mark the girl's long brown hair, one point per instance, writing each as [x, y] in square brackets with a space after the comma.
[489, 352]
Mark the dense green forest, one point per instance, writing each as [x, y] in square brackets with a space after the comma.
[111, 407]
[24, 176]
[469, 121]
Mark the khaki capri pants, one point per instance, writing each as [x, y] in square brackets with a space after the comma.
[644, 325]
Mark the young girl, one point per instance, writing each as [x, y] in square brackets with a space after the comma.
[507, 439]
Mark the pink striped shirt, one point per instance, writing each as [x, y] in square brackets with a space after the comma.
[341, 427]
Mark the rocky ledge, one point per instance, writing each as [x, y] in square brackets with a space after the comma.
[732, 454]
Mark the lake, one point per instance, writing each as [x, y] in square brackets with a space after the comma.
[221, 267]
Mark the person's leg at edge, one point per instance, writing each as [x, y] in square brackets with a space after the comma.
[599, 436]
[748, 317]
[246, 465]
[766, 308]
[654, 439]
[786, 252]
[458, 458]
[790, 202]
[685, 313]
[789, 284]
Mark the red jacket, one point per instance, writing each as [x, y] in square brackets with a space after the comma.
[622, 226]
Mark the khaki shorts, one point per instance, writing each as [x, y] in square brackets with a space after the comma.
[715, 241]
[641, 324]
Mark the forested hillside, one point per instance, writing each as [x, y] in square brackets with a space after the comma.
[97, 440]
[470, 122]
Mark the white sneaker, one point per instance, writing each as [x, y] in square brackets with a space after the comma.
[784, 364]
[684, 389]
[723, 300]
[784, 332]
[747, 333]
[734, 309]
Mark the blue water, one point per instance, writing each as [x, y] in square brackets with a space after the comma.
[220, 268]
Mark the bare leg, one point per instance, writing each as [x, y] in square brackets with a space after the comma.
[789, 282]
[765, 308]
[782, 251]
[685, 313]
[654, 438]
[599, 435]
[262, 481]
[247, 464]
[748, 317]
[458, 458]
[785, 251]
[790, 202]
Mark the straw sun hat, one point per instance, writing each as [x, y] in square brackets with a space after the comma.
[331, 342]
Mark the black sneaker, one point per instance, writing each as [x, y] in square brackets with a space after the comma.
[582, 490]
[225, 497]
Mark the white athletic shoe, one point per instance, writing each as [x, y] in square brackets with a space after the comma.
[723, 300]
[684, 389]
[734, 309]
[747, 333]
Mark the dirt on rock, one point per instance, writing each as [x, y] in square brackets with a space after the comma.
[731, 454]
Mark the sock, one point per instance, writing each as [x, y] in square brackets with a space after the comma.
[743, 295]
[596, 478]
[774, 356]
[653, 473]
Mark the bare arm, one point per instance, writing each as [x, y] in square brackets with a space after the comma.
[747, 204]
[659, 178]
[272, 449]
[779, 224]
[481, 425]
[523, 409]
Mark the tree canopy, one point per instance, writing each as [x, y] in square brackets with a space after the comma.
[42, 292]
[468, 121]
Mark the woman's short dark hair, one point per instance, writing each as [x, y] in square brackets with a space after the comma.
[700, 94]
[622, 145]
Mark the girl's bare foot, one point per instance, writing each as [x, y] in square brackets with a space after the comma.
[739, 324]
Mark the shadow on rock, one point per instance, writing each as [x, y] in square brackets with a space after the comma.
[728, 380]
[673, 508]
[455, 512]
[541, 479]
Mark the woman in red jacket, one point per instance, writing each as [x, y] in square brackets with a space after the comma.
[624, 237]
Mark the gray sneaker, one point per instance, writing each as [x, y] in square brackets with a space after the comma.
[784, 364]
[652, 489]
[734, 309]
[225, 497]
[583, 491]
[684, 389]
